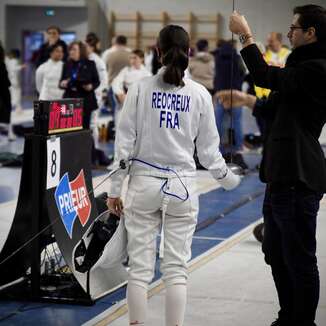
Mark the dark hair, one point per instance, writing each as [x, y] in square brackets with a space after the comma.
[312, 16]
[121, 40]
[220, 42]
[55, 46]
[173, 44]
[202, 45]
[15, 53]
[139, 53]
[82, 49]
[54, 27]
[92, 40]
[91, 36]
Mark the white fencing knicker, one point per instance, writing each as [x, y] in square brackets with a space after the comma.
[147, 211]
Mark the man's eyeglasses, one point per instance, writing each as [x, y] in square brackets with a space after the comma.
[292, 28]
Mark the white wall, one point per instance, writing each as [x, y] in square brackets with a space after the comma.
[34, 19]
[28, 3]
[264, 15]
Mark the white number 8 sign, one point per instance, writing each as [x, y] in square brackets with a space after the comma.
[53, 162]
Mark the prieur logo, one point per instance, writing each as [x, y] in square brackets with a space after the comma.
[73, 201]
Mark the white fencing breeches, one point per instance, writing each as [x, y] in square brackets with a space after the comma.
[94, 127]
[16, 97]
[143, 219]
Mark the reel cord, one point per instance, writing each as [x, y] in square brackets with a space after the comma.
[167, 169]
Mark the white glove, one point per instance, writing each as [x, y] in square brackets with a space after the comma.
[230, 181]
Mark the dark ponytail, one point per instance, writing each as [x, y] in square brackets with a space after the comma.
[173, 45]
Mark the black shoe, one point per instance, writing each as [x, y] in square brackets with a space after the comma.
[281, 322]
[252, 141]
[259, 235]
[238, 159]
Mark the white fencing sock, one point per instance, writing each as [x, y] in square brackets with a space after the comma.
[137, 304]
[11, 134]
[175, 304]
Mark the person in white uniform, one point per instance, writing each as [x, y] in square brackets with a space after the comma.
[129, 75]
[48, 75]
[126, 77]
[92, 47]
[14, 68]
[92, 42]
[161, 118]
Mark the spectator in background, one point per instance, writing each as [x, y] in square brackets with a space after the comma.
[156, 63]
[148, 59]
[5, 99]
[53, 38]
[80, 79]
[48, 75]
[14, 68]
[275, 55]
[226, 56]
[93, 50]
[201, 66]
[93, 47]
[129, 75]
[115, 46]
[116, 60]
[91, 36]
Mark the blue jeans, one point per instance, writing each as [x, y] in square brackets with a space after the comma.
[237, 126]
[289, 246]
[112, 100]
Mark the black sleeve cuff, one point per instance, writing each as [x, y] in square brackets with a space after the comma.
[259, 106]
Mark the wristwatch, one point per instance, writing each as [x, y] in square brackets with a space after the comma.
[243, 38]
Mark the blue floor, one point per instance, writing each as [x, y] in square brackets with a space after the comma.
[211, 204]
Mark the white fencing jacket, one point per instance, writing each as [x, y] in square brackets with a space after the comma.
[14, 70]
[102, 74]
[159, 124]
[47, 80]
[127, 76]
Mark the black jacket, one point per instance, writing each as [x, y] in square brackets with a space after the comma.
[5, 99]
[224, 55]
[44, 52]
[81, 73]
[295, 114]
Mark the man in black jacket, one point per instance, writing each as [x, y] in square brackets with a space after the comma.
[293, 164]
[53, 38]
